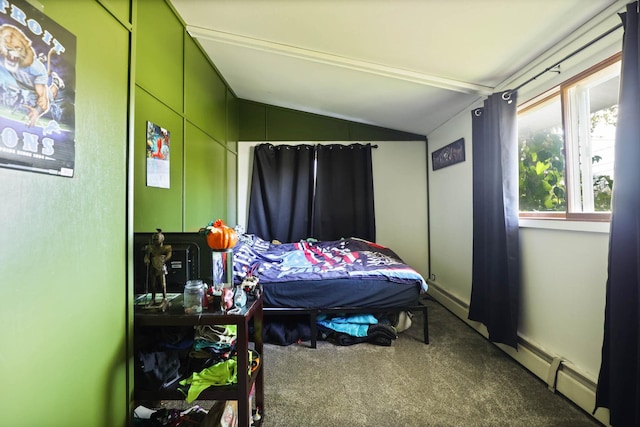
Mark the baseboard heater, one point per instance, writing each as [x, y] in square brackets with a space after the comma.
[419, 306]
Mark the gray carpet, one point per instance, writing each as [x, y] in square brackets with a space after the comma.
[460, 379]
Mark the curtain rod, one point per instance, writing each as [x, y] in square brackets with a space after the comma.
[575, 52]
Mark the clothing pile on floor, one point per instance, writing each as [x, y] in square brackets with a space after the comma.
[168, 417]
[222, 414]
[381, 329]
[355, 329]
[286, 330]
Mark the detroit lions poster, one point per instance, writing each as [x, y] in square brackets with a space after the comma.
[37, 91]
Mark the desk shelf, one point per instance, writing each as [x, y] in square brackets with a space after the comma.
[175, 316]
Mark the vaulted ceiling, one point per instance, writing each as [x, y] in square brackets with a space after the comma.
[407, 65]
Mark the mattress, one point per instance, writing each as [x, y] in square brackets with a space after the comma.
[325, 274]
[340, 293]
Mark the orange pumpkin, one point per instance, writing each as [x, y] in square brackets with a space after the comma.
[221, 236]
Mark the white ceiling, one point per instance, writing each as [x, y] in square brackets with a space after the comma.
[407, 65]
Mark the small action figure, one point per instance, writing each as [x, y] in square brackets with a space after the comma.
[156, 255]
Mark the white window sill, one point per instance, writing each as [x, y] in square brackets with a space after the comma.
[561, 224]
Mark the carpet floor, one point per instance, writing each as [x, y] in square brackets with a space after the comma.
[459, 379]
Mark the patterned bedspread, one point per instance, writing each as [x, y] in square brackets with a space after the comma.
[318, 260]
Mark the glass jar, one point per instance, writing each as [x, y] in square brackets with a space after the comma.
[193, 295]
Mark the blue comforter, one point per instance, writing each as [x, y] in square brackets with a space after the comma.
[318, 260]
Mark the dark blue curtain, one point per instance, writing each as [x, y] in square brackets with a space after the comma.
[281, 193]
[343, 204]
[322, 191]
[619, 379]
[495, 287]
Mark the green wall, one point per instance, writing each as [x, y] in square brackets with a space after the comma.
[261, 122]
[157, 207]
[65, 262]
[63, 357]
[64, 257]
[178, 89]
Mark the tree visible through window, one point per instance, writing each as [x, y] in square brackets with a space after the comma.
[603, 129]
[541, 144]
[566, 146]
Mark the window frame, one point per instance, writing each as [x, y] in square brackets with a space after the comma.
[562, 91]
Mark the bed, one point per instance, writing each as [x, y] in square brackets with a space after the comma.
[319, 278]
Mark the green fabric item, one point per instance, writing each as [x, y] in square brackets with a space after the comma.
[223, 373]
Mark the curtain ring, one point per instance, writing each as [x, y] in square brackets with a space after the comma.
[506, 95]
[477, 112]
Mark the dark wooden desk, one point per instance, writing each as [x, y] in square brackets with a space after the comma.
[175, 316]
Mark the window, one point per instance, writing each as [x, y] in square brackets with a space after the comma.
[566, 142]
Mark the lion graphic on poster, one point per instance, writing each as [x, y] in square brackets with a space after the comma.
[19, 59]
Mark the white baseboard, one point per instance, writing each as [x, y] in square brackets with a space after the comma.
[569, 381]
